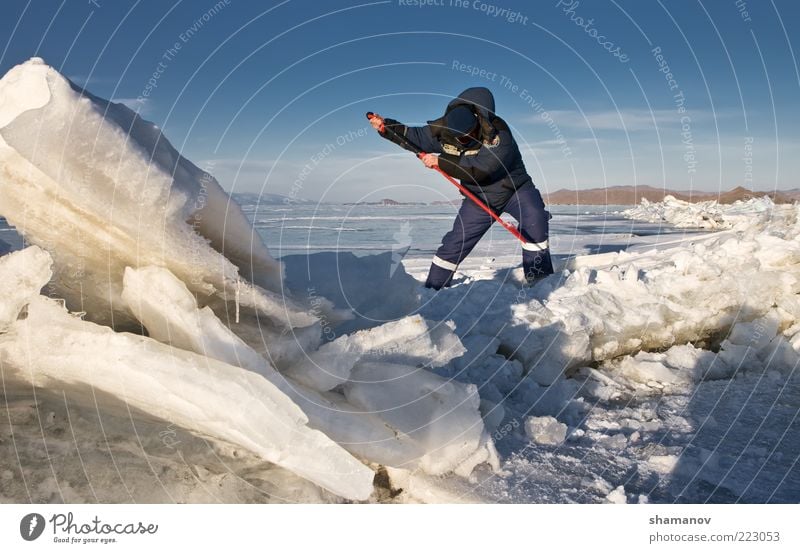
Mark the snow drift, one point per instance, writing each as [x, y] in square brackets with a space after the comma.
[707, 214]
[733, 292]
[667, 365]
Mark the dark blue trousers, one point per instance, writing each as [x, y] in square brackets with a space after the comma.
[526, 206]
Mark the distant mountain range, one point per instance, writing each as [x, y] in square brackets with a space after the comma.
[631, 195]
[251, 198]
[386, 202]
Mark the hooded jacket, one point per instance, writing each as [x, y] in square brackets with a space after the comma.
[490, 166]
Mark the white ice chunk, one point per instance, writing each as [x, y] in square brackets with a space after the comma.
[545, 430]
[679, 365]
[325, 368]
[169, 311]
[441, 415]
[663, 464]
[198, 393]
[23, 274]
[411, 340]
[707, 214]
[477, 347]
[617, 495]
[546, 352]
[75, 161]
[780, 355]
[755, 334]
[363, 433]
[736, 358]
[23, 88]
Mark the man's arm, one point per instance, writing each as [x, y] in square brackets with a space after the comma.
[421, 136]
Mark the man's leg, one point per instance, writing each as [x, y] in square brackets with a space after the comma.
[527, 207]
[471, 223]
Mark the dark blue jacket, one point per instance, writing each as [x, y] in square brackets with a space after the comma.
[491, 167]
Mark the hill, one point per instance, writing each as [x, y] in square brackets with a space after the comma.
[251, 198]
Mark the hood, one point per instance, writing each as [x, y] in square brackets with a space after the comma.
[479, 97]
[481, 100]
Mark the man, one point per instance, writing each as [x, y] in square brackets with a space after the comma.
[475, 145]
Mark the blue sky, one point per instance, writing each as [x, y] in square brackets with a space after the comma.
[271, 96]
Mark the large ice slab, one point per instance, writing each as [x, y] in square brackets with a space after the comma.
[74, 161]
[195, 392]
[391, 414]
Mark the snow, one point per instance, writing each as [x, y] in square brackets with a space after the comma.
[663, 463]
[707, 214]
[620, 327]
[678, 296]
[617, 496]
[545, 430]
[23, 274]
[23, 89]
[439, 415]
[191, 391]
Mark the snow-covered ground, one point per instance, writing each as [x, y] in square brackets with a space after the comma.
[669, 368]
[654, 367]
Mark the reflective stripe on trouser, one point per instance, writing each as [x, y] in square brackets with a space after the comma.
[471, 223]
[440, 273]
[526, 206]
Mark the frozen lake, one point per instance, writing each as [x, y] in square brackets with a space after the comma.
[415, 232]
